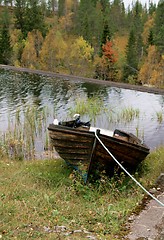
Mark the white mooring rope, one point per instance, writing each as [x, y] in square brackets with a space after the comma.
[128, 172]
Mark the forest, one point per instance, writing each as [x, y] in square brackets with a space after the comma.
[97, 38]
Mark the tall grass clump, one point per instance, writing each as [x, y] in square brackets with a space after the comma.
[153, 166]
[19, 140]
[90, 107]
[128, 114]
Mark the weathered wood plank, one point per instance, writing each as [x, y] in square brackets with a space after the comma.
[74, 145]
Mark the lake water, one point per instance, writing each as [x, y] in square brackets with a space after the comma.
[22, 91]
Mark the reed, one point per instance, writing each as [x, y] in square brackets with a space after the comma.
[128, 114]
[91, 107]
[159, 116]
[20, 139]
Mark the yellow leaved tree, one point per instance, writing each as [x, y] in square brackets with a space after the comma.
[79, 58]
[147, 29]
[151, 73]
[66, 21]
[31, 51]
[17, 46]
[53, 52]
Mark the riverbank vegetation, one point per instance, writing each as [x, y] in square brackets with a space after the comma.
[29, 126]
[97, 39]
[46, 200]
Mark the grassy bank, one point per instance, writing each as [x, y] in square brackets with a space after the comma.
[44, 200]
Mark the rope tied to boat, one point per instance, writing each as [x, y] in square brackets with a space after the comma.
[139, 184]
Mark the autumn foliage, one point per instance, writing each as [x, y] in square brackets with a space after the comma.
[151, 73]
[109, 53]
[96, 39]
[106, 65]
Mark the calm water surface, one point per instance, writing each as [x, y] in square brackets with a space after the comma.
[59, 96]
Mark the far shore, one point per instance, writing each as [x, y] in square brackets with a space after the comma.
[140, 88]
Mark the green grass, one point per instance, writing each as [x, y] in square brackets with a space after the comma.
[38, 196]
[92, 107]
[126, 115]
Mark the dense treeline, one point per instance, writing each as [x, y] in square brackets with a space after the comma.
[96, 38]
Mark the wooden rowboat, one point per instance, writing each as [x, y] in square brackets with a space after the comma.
[80, 147]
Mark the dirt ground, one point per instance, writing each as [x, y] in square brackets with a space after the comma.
[149, 223]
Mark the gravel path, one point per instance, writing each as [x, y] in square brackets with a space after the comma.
[149, 224]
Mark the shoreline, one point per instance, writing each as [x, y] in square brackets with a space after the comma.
[89, 80]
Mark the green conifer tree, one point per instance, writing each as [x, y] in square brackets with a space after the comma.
[135, 47]
[20, 15]
[35, 17]
[5, 45]
[29, 16]
[117, 16]
[151, 37]
[159, 27]
[131, 56]
[61, 8]
[106, 36]
[89, 22]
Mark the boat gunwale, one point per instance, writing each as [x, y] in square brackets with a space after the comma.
[103, 137]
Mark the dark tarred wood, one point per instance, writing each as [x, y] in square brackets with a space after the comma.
[81, 147]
